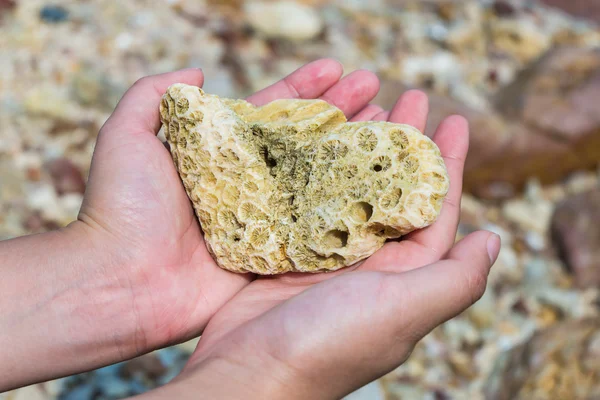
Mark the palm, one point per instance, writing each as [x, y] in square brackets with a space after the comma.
[139, 199]
[416, 250]
[135, 195]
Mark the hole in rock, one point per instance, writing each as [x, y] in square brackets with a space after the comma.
[362, 212]
[515, 37]
[294, 218]
[336, 239]
[385, 231]
[269, 161]
[377, 168]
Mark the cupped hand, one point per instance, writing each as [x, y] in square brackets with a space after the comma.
[325, 335]
[140, 218]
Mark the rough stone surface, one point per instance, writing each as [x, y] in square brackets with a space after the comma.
[292, 186]
[491, 136]
[559, 102]
[67, 178]
[575, 231]
[562, 362]
[544, 125]
[588, 9]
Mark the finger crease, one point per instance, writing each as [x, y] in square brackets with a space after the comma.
[451, 202]
[454, 158]
[292, 88]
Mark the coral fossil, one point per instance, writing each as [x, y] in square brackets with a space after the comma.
[293, 186]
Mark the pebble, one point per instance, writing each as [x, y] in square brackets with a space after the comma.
[148, 365]
[581, 182]
[54, 14]
[284, 19]
[109, 370]
[533, 216]
[503, 8]
[576, 234]
[113, 386]
[521, 38]
[536, 276]
[535, 241]
[79, 393]
[66, 176]
[482, 312]
[505, 236]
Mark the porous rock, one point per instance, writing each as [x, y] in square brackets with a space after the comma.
[293, 186]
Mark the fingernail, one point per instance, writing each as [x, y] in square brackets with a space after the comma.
[493, 247]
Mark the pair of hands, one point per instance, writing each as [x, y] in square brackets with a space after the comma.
[294, 335]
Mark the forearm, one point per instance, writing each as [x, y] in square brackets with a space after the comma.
[231, 378]
[59, 312]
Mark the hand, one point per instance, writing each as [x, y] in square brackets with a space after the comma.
[323, 336]
[137, 210]
[133, 273]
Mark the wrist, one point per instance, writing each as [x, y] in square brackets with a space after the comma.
[61, 307]
[103, 293]
[240, 377]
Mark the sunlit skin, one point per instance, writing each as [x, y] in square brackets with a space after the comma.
[142, 278]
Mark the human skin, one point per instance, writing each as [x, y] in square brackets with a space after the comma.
[132, 274]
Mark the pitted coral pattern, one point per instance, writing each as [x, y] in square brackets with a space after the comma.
[293, 186]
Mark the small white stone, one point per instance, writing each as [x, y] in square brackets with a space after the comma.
[505, 236]
[71, 203]
[529, 215]
[43, 197]
[535, 241]
[286, 19]
[124, 41]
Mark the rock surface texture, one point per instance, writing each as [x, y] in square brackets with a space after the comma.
[581, 8]
[561, 362]
[575, 231]
[293, 186]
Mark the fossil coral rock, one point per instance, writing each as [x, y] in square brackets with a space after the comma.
[292, 186]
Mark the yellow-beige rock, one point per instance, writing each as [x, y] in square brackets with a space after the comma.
[293, 186]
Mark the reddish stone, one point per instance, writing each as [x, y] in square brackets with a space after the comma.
[547, 124]
[588, 9]
[67, 178]
[577, 236]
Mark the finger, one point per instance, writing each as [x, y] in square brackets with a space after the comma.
[138, 109]
[446, 288]
[411, 109]
[307, 82]
[382, 116]
[367, 113]
[452, 137]
[378, 318]
[352, 93]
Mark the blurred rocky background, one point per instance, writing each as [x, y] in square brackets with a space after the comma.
[525, 73]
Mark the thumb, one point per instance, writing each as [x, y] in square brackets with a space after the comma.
[138, 109]
[347, 331]
[440, 291]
